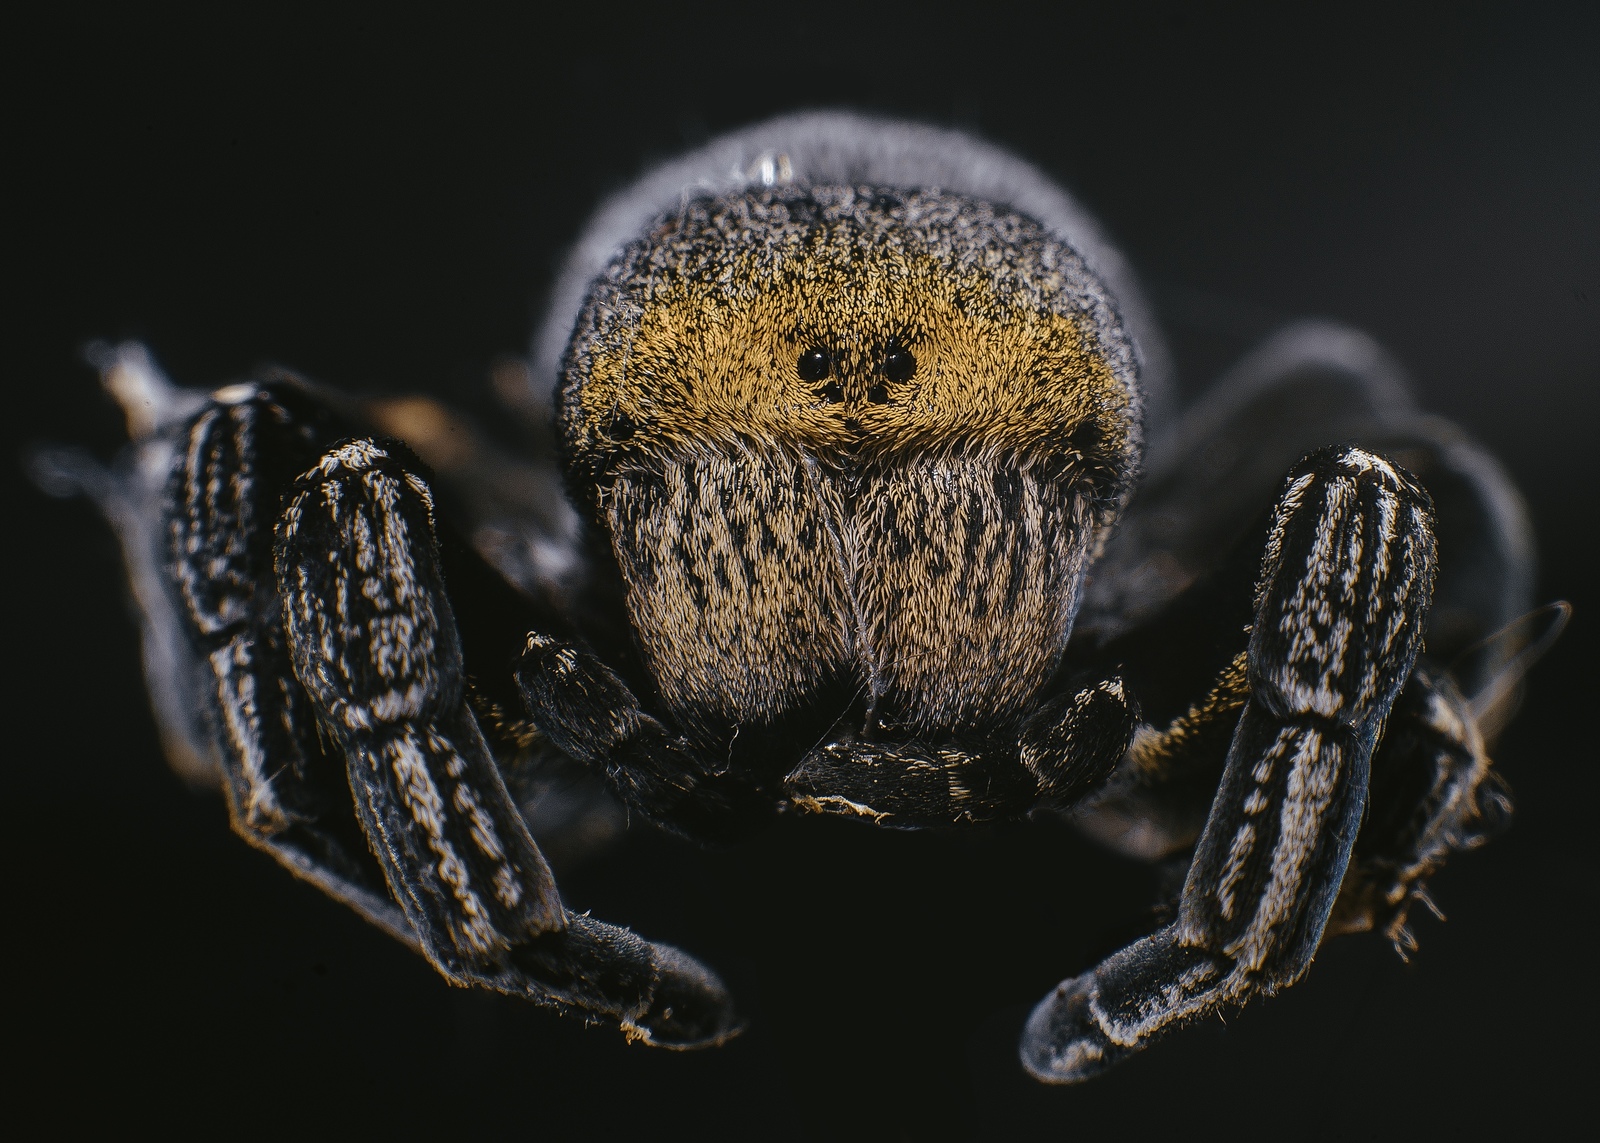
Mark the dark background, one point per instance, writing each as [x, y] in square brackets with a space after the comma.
[381, 202]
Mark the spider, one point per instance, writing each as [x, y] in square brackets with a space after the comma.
[865, 496]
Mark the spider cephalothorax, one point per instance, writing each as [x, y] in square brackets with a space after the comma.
[852, 416]
[838, 436]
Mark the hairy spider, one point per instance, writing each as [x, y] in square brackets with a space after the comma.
[844, 514]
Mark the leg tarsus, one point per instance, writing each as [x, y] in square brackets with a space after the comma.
[658, 995]
[1093, 1021]
[690, 1006]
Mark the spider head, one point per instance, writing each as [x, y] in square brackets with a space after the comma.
[852, 324]
[810, 418]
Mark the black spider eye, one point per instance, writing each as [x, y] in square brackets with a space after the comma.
[814, 364]
[899, 364]
[619, 426]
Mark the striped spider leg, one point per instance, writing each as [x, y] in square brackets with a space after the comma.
[1340, 607]
[292, 581]
[374, 644]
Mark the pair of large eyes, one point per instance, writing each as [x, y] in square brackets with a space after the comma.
[899, 364]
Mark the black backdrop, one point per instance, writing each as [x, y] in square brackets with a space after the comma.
[380, 202]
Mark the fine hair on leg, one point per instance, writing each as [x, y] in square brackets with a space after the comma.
[1340, 608]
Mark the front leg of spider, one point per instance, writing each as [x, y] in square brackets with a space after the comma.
[374, 643]
[1340, 608]
[591, 715]
[232, 460]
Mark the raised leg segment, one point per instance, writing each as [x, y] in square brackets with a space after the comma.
[231, 463]
[1340, 608]
[1432, 792]
[375, 646]
[195, 501]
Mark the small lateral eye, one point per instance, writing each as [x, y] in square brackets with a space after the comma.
[814, 364]
[899, 364]
[619, 426]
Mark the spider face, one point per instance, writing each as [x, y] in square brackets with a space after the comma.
[850, 436]
[850, 452]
